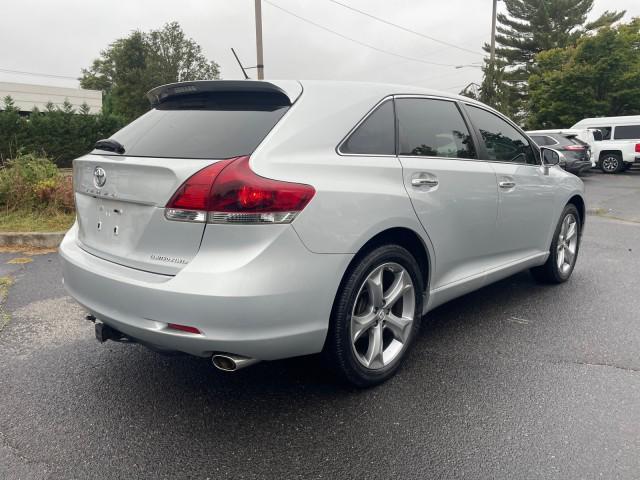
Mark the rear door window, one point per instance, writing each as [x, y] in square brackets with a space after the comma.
[606, 132]
[210, 125]
[540, 140]
[627, 132]
[503, 143]
[375, 135]
[432, 128]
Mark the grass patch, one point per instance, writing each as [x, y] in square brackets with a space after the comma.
[29, 221]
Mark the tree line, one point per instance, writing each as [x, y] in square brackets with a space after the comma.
[553, 67]
[58, 133]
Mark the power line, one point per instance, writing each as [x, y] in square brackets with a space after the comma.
[387, 22]
[372, 47]
[50, 75]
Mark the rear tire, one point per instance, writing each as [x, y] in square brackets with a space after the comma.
[375, 317]
[563, 252]
[611, 163]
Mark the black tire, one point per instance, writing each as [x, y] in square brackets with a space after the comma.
[339, 350]
[611, 163]
[550, 272]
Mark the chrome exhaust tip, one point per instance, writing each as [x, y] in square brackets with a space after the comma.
[230, 363]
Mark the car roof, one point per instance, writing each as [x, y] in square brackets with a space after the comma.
[566, 131]
[603, 121]
[293, 89]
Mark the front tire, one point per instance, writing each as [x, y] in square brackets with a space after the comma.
[611, 163]
[376, 316]
[564, 249]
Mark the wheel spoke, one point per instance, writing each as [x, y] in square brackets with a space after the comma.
[399, 326]
[361, 324]
[374, 357]
[568, 255]
[560, 257]
[572, 232]
[400, 285]
[374, 287]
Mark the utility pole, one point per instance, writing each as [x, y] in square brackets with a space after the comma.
[260, 64]
[493, 31]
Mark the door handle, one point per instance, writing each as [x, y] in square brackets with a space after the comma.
[507, 184]
[424, 182]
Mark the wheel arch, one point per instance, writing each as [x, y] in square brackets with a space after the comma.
[578, 201]
[405, 237]
[609, 152]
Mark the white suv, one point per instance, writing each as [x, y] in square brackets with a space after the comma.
[247, 221]
[619, 147]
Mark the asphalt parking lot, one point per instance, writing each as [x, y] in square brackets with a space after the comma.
[516, 380]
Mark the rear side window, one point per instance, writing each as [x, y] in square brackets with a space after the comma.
[432, 128]
[375, 136]
[606, 132]
[627, 132]
[543, 140]
[503, 143]
[209, 125]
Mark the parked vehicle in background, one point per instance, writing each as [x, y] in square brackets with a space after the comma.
[577, 153]
[250, 220]
[619, 148]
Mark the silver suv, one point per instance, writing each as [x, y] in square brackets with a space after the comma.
[247, 221]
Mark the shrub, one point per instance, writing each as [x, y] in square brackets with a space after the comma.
[31, 182]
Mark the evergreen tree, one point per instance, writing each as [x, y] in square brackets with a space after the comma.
[532, 26]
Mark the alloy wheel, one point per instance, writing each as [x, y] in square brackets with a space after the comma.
[567, 244]
[382, 316]
[610, 164]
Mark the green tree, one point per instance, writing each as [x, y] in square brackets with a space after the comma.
[10, 128]
[600, 76]
[133, 65]
[495, 91]
[532, 26]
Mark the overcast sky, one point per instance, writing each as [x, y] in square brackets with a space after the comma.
[59, 37]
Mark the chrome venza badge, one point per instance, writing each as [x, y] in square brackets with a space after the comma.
[99, 177]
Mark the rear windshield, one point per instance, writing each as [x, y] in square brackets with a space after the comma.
[575, 140]
[205, 125]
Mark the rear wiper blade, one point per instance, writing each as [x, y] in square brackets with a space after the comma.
[109, 145]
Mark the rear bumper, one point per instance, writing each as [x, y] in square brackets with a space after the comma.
[578, 166]
[267, 302]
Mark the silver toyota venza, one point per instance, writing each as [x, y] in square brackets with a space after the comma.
[247, 220]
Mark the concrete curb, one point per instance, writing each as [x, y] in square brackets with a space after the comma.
[31, 239]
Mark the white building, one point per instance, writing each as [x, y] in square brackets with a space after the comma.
[26, 96]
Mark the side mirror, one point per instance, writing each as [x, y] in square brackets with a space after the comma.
[550, 156]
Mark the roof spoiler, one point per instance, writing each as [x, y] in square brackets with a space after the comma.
[162, 93]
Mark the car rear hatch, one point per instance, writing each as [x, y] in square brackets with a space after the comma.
[577, 149]
[120, 195]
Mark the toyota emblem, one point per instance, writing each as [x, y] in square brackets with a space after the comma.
[99, 177]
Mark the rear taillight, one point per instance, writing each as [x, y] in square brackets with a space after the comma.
[230, 192]
[637, 147]
[574, 148]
